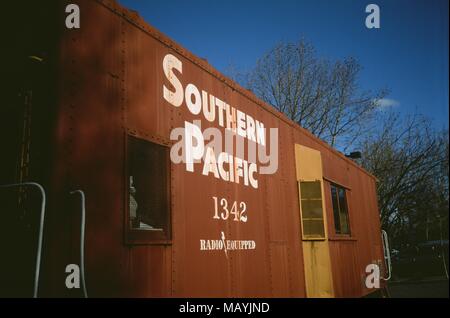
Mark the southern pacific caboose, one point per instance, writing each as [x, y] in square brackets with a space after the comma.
[131, 161]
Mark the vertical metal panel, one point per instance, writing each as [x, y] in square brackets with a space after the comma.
[316, 252]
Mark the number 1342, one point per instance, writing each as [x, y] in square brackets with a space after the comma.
[222, 210]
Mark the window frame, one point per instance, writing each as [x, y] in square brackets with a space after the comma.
[347, 190]
[311, 238]
[146, 237]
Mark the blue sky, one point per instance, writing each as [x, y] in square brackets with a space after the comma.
[408, 54]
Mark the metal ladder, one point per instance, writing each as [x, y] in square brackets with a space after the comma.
[83, 225]
[41, 233]
[387, 255]
[41, 229]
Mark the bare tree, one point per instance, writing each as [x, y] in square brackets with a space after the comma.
[319, 95]
[410, 159]
[407, 155]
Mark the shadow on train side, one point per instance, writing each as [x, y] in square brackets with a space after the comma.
[27, 97]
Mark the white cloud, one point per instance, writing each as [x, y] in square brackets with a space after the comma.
[387, 102]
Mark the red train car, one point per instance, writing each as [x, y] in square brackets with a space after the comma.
[188, 185]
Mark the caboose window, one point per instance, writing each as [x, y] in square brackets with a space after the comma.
[148, 179]
[340, 210]
[311, 209]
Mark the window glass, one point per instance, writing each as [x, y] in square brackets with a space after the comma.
[336, 216]
[312, 210]
[311, 190]
[340, 210]
[343, 212]
[148, 199]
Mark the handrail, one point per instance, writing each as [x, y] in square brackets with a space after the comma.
[83, 225]
[41, 230]
[387, 254]
[442, 247]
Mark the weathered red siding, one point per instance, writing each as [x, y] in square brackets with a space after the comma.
[111, 83]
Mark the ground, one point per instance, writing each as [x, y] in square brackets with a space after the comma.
[430, 287]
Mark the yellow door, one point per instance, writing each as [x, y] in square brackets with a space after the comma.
[316, 253]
